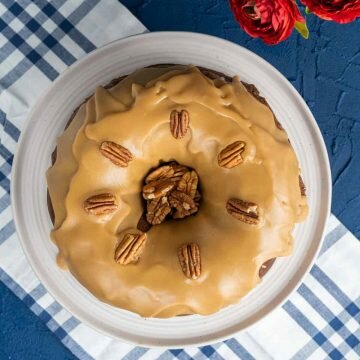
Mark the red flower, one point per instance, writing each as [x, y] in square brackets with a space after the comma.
[270, 20]
[341, 11]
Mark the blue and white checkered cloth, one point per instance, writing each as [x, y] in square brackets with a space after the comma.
[38, 40]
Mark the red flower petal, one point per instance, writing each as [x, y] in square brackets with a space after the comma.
[270, 20]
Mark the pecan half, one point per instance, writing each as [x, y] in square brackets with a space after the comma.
[183, 203]
[173, 172]
[190, 260]
[130, 248]
[163, 172]
[188, 183]
[302, 186]
[230, 156]
[157, 210]
[100, 204]
[117, 154]
[157, 188]
[244, 211]
[179, 123]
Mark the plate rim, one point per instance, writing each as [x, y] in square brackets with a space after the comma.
[160, 36]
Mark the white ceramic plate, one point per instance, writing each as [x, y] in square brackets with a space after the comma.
[47, 121]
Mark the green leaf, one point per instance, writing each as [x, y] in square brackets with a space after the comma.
[302, 29]
[307, 11]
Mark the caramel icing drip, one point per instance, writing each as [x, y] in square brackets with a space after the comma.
[135, 114]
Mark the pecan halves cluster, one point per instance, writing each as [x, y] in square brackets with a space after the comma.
[171, 189]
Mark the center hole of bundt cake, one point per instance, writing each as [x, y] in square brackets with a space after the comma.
[169, 191]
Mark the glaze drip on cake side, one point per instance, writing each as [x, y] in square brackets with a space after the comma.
[135, 113]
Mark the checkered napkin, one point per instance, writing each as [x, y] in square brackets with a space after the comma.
[38, 40]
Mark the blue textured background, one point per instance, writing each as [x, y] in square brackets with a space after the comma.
[326, 71]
